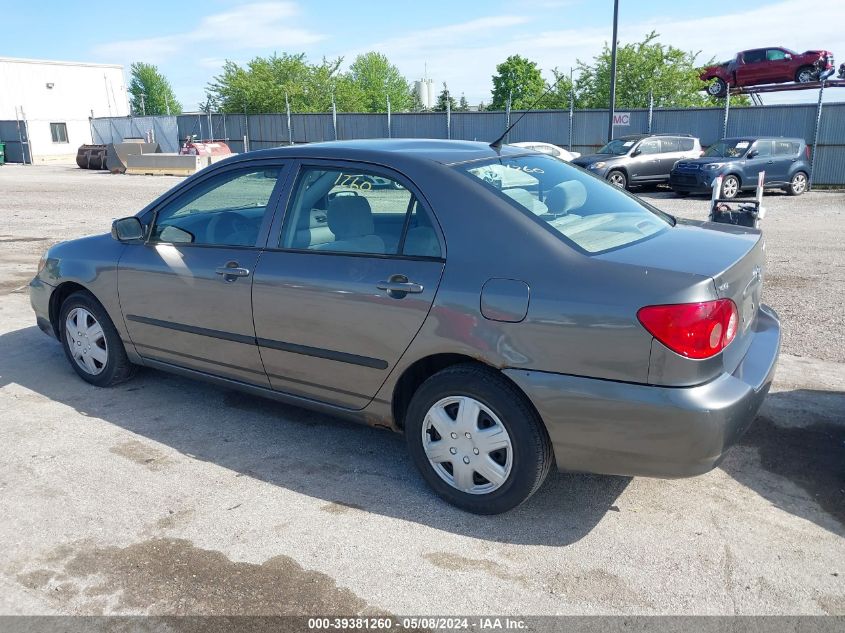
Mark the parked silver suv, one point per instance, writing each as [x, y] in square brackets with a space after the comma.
[640, 159]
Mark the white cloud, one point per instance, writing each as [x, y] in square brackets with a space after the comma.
[465, 55]
[258, 26]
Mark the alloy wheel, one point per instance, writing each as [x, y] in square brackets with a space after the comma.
[799, 183]
[730, 187]
[616, 179]
[86, 341]
[467, 445]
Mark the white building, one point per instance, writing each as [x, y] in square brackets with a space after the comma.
[56, 99]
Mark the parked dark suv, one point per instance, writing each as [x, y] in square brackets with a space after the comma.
[739, 161]
[640, 159]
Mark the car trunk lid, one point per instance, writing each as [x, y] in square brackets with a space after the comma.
[733, 257]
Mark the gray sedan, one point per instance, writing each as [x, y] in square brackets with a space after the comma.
[506, 311]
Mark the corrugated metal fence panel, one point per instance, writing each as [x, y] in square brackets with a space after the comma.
[478, 126]
[589, 128]
[418, 125]
[352, 126]
[114, 130]
[704, 123]
[9, 136]
[830, 165]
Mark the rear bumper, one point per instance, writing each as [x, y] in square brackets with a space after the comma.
[614, 428]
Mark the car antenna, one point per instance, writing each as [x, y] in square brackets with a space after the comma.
[497, 144]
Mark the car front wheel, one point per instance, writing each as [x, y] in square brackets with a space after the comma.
[91, 342]
[476, 439]
[798, 184]
[805, 75]
[730, 187]
[617, 179]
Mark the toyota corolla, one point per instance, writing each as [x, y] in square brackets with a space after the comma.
[504, 310]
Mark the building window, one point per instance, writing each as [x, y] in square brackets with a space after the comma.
[59, 132]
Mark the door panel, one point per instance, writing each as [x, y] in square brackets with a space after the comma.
[186, 293]
[647, 165]
[179, 310]
[325, 329]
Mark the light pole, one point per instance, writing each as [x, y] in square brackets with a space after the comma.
[613, 71]
[143, 108]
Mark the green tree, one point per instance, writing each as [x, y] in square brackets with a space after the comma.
[376, 78]
[670, 73]
[150, 91]
[443, 98]
[463, 105]
[560, 93]
[521, 78]
[261, 85]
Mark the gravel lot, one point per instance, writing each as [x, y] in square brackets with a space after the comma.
[167, 496]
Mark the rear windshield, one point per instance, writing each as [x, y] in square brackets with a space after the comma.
[728, 149]
[582, 209]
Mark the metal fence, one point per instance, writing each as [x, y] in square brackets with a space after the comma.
[583, 130]
[13, 135]
[115, 129]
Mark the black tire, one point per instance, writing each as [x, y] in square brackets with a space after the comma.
[805, 75]
[117, 367]
[717, 88]
[731, 187]
[798, 184]
[531, 456]
[617, 178]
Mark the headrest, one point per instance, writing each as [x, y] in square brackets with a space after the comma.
[566, 196]
[350, 216]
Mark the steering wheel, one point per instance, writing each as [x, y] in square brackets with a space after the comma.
[224, 226]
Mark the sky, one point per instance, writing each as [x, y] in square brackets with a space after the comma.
[454, 41]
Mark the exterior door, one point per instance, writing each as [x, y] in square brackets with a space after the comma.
[753, 69]
[349, 285]
[762, 161]
[186, 293]
[669, 155]
[647, 164]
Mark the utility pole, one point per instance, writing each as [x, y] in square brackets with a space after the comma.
[167, 103]
[287, 110]
[334, 116]
[571, 107]
[613, 70]
[143, 107]
[389, 131]
[508, 116]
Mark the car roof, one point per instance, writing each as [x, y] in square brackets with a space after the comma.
[763, 138]
[377, 150]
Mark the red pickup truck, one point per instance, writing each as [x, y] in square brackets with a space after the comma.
[766, 66]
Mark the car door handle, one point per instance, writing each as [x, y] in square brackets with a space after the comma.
[400, 286]
[229, 271]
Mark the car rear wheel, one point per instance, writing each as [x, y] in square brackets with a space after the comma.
[717, 88]
[91, 342]
[730, 187]
[476, 439]
[805, 75]
[617, 179]
[798, 184]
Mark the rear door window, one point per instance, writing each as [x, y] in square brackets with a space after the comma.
[347, 210]
[687, 144]
[752, 57]
[786, 148]
[670, 144]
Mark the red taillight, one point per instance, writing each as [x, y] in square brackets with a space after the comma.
[694, 330]
[807, 151]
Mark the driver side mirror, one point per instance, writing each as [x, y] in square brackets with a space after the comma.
[752, 153]
[127, 229]
[636, 152]
[787, 56]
